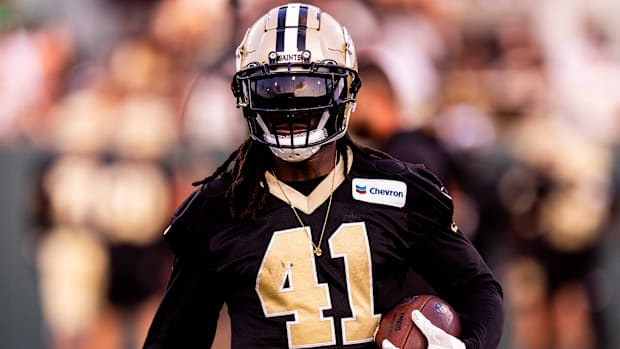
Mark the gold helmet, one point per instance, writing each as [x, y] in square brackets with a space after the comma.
[296, 80]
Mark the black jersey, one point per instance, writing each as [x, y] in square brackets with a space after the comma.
[386, 218]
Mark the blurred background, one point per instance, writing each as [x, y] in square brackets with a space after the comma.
[110, 108]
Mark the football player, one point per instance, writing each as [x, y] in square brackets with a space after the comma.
[306, 236]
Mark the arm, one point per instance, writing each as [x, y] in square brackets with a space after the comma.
[188, 313]
[453, 266]
[459, 274]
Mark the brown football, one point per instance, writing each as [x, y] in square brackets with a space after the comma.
[398, 328]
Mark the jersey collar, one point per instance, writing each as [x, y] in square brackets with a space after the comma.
[308, 204]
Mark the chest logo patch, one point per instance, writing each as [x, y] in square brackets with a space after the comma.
[380, 191]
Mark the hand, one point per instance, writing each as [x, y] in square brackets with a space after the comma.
[437, 338]
[386, 344]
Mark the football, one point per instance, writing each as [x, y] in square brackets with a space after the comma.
[398, 328]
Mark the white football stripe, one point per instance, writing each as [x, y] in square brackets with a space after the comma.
[290, 33]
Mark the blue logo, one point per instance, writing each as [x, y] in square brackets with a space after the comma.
[360, 189]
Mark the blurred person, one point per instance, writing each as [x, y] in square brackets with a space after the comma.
[467, 132]
[266, 236]
[530, 188]
[453, 145]
[377, 97]
[414, 73]
[135, 187]
[132, 193]
[18, 87]
[210, 104]
[581, 44]
[95, 25]
[105, 188]
[388, 133]
[137, 65]
[430, 145]
[146, 128]
[559, 212]
[72, 259]
[32, 66]
[195, 32]
[492, 80]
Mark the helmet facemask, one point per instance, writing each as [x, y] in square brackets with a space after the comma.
[295, 111]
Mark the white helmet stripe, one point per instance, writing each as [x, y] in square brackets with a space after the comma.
[290, 33]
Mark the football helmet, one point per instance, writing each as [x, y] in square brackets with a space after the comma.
[296, 80]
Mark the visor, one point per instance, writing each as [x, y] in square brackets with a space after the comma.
[294, 92]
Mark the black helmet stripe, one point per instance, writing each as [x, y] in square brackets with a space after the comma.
[301, 29]
[291, 30]
[281, 28]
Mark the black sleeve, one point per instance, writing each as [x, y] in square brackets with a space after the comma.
[188, 313]
[448, 260]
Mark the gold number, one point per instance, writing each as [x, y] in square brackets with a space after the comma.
[350, 242]
[287, 283]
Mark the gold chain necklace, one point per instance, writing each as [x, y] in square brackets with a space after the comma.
[317, 247]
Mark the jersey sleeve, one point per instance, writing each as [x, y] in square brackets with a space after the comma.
[452, 265]
[188, 313]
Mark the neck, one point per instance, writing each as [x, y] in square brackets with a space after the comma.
[318, 165]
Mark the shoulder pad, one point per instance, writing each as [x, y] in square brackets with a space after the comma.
[179, 234]
[428, 181]
[390, 166]
[176, 233]
[425, 173]
[414, 174]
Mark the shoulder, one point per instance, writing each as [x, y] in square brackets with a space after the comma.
[415, 174]
[423, 187]
[203, 195]
[206, 202]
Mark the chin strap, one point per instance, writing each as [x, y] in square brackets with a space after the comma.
[298, 152]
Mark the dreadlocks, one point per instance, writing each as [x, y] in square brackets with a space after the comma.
[248, 191]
